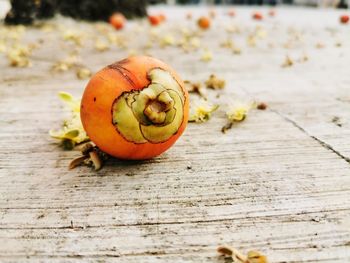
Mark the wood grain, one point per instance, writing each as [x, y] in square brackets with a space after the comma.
[278, 182]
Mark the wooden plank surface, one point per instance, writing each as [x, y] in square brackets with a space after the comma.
[278, 182]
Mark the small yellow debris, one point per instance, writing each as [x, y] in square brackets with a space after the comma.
[72, 36]
[206, 56]
[83, 73]
[303, 58]
[201, 111]
[18, 56]
[215, 83]
[236, 50]
[252, 256]
[101, 45]
[260, 32]
[3, 47]
[167, 40]
[195, 42]
[288, 62]
[228, 43]
[66, 64]
[232, 29]
[319, 45]
[251, 41]
[132, 52]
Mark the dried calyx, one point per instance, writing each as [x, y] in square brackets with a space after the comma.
[152, 114]
[91, 156]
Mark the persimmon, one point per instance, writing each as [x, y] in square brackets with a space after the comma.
[162, 17]
[344, 19]
[272, 13]
[231, 13]
[135, 108]
[203, 22]
[257, 16]
[154, 20]
[117, 20]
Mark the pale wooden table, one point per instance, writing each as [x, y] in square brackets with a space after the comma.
[278, 182]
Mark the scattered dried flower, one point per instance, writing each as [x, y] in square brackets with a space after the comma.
[237, 113]
[215, 83]
[251, 41]
[18, 56]
[195, 87]
[201, 111]
[319, 45]
[83, 73]
[304, 58]
[72, 131]
[101, 45]
[237, 50]
[66, 64]
[206, 56]
[228, 43]
[252, 256]
[288, 62]
[167, 40]
[73, 36]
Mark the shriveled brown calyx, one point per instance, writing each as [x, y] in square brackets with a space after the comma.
[91, 156]
[152, 114]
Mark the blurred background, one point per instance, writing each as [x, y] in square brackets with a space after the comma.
[25, 12]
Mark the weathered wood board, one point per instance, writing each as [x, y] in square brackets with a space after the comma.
[278, 182]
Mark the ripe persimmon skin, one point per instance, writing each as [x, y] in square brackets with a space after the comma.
[109, 84]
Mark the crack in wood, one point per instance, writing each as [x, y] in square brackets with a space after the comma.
[322, 143]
